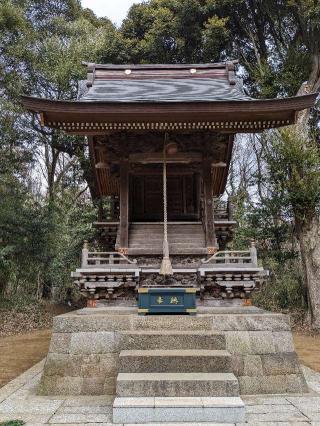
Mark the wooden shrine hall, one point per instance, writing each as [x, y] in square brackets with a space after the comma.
[160, 140]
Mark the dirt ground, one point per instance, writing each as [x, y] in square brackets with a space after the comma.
[308, 349]
[20, 352]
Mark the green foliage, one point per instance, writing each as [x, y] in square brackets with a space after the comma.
[293, 159]
[13, 423]
[281, 211]
[42, 225]
[284, 290]
[187, 31]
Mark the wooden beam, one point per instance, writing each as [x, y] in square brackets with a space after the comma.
[157, 157]
[124, 206]
[211, 240]
[93, 161]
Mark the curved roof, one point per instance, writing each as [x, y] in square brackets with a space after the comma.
[166, 97]
[162, 83]
[165, 90]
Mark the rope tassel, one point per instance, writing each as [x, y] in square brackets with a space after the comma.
[166, 267]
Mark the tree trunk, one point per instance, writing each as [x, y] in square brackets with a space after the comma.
[308, 235]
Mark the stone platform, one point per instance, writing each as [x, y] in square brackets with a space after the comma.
[84, 353]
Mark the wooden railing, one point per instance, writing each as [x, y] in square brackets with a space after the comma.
[92, 258]
[234, 257]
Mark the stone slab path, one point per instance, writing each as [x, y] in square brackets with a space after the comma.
[18, 400]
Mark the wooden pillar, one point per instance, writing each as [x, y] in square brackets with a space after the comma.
[211, 240]
[124, 206]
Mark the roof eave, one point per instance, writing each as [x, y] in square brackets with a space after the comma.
[280, 111]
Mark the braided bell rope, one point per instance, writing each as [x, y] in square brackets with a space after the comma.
[166, 267]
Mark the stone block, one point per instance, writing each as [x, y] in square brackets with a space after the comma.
[60, 343]
[62, 365]
[176, 414]
[251, 322]
[92, 386]
[73, 323]
[252, 365]
[175, 361]
[249, 385]
[169, 322]
[177, 384]
[237, 364]
[180, 410]
[238, 342]
[81, 365]
[56, 385]
[98, 342]
[109, 387]
[100, 366]
[261, 342]
[283, 341]
[280, 363]
[263, 385]
[273, 384]
[296, 383]
[166, 339]
[89, 401]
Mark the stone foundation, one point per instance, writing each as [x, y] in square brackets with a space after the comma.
[83, 358]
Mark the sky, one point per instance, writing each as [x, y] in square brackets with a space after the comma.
[115, 10]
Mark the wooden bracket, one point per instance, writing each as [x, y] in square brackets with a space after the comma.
[123, 250]
[91, 303]
[212, 250]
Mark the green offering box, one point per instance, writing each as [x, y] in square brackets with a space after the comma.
[167, 301]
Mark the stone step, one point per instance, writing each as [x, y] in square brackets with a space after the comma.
[175, 361]
[187, 410]
[172, 323]
[164, 339]
[177, 384]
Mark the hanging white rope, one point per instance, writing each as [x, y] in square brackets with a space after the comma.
[166, 267]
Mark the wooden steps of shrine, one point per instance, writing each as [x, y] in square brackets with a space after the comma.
[184, 238]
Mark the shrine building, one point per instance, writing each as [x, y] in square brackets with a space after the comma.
[160, 140]
[142, 121]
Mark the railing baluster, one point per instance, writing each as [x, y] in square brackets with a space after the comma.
[85, 255]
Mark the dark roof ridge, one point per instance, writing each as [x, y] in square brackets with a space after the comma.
[160, 66]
